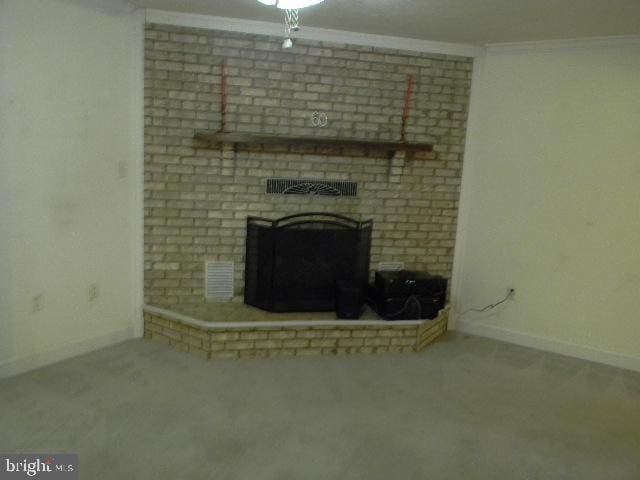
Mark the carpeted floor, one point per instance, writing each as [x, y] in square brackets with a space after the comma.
[466, 408]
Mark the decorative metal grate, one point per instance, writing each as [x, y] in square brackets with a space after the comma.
[333, 188]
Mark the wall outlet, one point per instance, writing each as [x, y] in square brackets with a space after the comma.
[94, 291]
[37, 303]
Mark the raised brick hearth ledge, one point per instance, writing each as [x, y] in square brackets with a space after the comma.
[213, 340]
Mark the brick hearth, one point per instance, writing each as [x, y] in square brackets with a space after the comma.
[216, 340]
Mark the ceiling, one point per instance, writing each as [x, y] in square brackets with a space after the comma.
[476, 22]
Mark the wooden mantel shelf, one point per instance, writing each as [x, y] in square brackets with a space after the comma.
[330, 144]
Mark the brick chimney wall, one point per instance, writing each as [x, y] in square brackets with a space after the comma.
[197, 199]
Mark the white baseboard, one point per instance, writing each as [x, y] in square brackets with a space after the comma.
[18, 365]
[540, 343]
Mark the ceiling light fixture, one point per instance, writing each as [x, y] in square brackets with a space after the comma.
[291, 15]
[291, 4]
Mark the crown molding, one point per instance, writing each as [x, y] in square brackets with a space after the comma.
[117, 7]
[543, 46]
[311, 33]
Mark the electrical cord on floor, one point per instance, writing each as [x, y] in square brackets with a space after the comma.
[491, 305]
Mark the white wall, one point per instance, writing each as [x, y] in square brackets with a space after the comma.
[70, 163]
[551, 201]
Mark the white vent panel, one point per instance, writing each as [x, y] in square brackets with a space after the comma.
[390, 266]
[219, 281]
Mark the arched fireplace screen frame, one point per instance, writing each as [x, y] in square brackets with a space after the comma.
[294, 263]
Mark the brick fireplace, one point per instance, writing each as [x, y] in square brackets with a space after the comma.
[197, 199]
[198, 196]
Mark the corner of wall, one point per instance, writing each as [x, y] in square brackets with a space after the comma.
[137, 214]
[468, 166]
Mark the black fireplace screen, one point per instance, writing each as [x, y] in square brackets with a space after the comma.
[294, 263]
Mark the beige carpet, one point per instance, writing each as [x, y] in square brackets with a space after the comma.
[466, 408]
